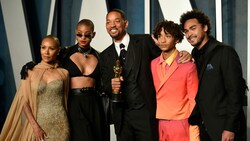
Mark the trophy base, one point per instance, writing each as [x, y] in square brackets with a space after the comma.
[116, 98]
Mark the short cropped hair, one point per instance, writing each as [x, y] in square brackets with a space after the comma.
[53, 38]
[123, 15]
[86, 22]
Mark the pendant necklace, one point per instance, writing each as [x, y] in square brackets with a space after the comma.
[84, 51]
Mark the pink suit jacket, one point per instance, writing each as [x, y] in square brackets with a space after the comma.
[176, 91]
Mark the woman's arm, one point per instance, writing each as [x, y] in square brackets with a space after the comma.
[38, 131]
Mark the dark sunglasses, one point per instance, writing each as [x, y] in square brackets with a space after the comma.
[85, 35]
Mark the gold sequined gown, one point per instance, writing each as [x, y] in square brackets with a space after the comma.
[51, 114]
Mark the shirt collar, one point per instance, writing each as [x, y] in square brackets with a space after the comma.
[125, 41]
[170, 59]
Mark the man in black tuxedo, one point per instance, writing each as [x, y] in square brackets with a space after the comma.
[134, 118]
[219, 102]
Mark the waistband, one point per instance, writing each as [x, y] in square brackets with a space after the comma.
[84, 91]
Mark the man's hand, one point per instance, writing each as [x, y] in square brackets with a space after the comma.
[227, 136]
[28, 66]
[116, 84]
[185, 57]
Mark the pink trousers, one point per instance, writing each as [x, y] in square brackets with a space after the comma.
[174, 130]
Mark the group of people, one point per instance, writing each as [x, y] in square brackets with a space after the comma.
[165, 96]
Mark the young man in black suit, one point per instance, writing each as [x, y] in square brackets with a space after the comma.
[134, 118]
[219, 102]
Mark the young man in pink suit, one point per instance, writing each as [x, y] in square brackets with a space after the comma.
[175, 84]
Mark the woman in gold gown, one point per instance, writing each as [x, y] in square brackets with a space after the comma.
[38, 111]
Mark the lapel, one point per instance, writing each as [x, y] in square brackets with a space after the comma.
[133, 58]
[208, 55]
[112, 56]
[171, 70]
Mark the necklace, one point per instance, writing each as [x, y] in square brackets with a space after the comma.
[84, 51]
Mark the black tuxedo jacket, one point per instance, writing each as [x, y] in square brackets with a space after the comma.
[221, 90]
[138, 89]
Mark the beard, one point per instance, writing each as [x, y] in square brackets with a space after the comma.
[198, 43]
[117, 36]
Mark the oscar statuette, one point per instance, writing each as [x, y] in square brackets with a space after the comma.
[116, 94]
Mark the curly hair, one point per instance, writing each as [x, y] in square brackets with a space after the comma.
[170, 27]
[202, 18]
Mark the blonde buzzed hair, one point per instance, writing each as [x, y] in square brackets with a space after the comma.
[53, 38]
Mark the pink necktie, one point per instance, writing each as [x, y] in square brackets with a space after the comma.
[163, 68]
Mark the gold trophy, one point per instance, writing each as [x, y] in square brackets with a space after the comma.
[116, 94]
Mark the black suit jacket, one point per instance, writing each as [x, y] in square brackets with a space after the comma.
[221, 90]
[138, 89]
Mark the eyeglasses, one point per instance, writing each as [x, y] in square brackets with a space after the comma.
[85, 35]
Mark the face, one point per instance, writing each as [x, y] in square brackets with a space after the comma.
[167, 41]
[84, 35]
[116, 26]
[195, 33]
[49, 50]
